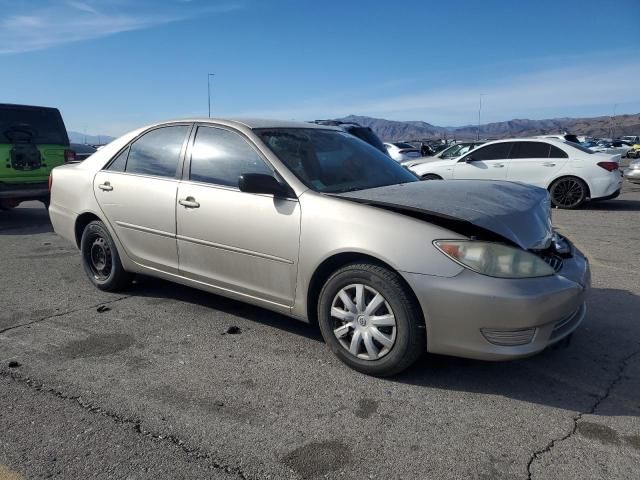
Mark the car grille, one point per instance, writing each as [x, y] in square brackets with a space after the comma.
[554, 261]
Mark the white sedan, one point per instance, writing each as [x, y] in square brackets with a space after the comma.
[571, 173]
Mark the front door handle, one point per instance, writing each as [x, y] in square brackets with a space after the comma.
[498, 165]
[549, 164]
[106, 186]
[189, 202]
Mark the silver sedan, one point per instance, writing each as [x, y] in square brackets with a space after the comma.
[314, 223]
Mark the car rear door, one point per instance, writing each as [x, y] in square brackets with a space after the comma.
[137, 193]
[489, 162]
[239, 242]
[535, 162]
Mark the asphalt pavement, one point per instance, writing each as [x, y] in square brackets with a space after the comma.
[164, 381]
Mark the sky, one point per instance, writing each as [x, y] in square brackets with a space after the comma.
[112, 66]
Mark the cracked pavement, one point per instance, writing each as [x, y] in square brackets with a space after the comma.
[152, 387]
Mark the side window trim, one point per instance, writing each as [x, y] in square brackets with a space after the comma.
[181, 156]
[186, 170]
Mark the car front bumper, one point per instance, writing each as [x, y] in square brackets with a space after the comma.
[476, 316]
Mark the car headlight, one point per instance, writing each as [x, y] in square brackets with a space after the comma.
[494, 259]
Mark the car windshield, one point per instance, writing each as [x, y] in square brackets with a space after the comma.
[331, 161]
[454, 151]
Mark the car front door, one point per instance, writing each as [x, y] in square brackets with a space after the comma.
[485, 163]
[235, 241]
[535, 163]
[137, 194]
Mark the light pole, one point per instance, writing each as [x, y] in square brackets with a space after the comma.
[209, 75]
[479, 111]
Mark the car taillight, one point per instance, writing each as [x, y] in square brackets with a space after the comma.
[50, 181]
[69, 156]
[608, 166]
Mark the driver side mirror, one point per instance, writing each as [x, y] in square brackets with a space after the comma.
[261, 183]
[467, 159]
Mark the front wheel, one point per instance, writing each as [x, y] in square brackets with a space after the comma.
[370, 320]
[568, 193]
[100, 259]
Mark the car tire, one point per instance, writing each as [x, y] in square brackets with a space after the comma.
[430, 176]
[568, 192]
[100, 259]
[389, 349]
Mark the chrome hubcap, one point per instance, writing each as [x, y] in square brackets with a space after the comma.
[363, 322]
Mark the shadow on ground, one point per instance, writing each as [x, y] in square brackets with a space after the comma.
[571, 377]
[32, 218]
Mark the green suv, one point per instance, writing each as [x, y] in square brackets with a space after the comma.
[33, 140]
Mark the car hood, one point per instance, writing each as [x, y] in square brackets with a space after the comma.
[517, 212]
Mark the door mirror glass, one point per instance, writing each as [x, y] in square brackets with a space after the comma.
[261, 183]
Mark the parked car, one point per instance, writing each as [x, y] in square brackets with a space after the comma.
[83, 151]
[571, 173]
[357, 130]
[635, 151]
[308, 221]
[632, 172]
[632, 139]
[33, 140]
[614, 148]
[401, 151]
[454, 151]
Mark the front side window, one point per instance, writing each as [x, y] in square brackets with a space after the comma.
[157, 152]
[220, 157]
[331, 161]
[530, 150]
[497, 151]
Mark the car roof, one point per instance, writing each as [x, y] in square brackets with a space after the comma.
[556, 141]
[33, 107]
[252, 123]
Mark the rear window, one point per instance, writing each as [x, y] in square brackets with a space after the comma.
[32, 125]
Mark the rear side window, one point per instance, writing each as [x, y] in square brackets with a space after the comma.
[119, 163]
[530, 150]
[497, 151]
[31, 125]
[555, 152]
[157, 153]
[220, 157]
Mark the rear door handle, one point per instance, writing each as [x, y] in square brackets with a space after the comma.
[106, 186]
[499, 165]
[549, 164]
[189, 202]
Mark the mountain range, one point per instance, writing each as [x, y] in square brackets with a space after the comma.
[392, 130]
[77, 137]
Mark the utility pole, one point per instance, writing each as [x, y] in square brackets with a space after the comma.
[613, 122]
[479, 113]
[209, 75]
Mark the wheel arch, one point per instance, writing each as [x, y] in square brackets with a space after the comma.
[81, 223]
[336, 261]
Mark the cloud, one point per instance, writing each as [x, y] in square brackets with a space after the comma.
[37, 27]
[513, 96]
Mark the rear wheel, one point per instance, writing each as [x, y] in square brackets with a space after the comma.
[568, 192]
[370, 320]
[100, 259]
[431, 176]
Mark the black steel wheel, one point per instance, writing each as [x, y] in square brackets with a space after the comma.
[100, 258]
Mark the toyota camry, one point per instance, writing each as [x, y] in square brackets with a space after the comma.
[312, 222]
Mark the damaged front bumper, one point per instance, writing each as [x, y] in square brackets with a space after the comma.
[476, 316]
